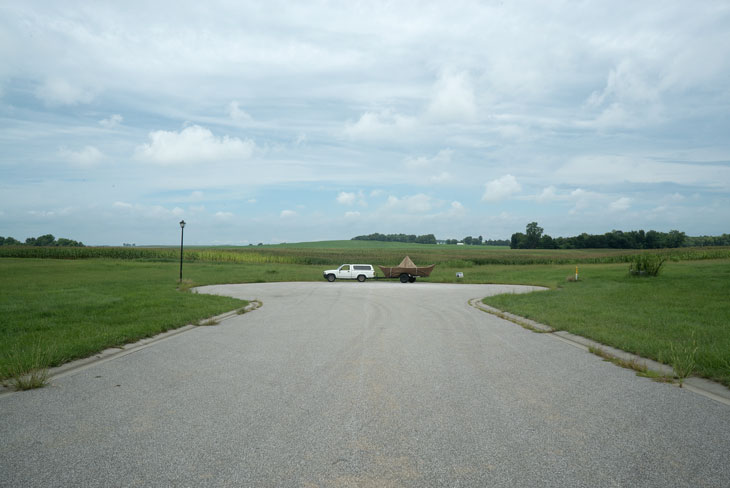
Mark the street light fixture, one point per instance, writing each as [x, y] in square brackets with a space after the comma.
[182, 231]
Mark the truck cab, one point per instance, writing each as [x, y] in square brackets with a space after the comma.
[359, 272]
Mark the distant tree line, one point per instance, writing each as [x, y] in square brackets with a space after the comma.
[533, 238]
[410, 238]
[700, 241]
[44, 240]
[430, 239]
[479, 241]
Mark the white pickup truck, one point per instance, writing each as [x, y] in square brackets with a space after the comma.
[359, 272]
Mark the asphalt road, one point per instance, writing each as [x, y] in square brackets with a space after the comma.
[375, 384]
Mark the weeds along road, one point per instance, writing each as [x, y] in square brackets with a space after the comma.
[361, 384]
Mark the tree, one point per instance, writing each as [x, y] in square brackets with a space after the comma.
[426, 239]
[518, 241]
[675, 239]
[547, 242]
[652, 240]
[45, 240]
[63, 242]
[533, 233]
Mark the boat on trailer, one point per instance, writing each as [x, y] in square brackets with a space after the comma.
[406, 271]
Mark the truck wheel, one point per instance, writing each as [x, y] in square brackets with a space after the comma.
[404, 278]
[361, 278]
[330, 277]
[412, 279]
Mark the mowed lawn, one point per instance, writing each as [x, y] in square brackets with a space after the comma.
[53, 311]
[686, 306]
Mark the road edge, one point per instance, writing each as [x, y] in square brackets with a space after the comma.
[112, 353]
[701, 386]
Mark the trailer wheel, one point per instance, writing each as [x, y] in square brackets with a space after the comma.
[412, 279]
[330, 277]
[404, 278]
[360, 278]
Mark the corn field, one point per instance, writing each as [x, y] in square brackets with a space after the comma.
[420, 254]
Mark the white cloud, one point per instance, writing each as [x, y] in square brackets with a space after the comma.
[154, 212]
[443, 157]
[383, 124]
[47, 214]
[88, 156]
[609, 168]
[346, 198]
[548, 195]
[193, 144]
[301, 139]
[630, 98]
[352, 198]
[584, 199]
[223, 215]
[352, 215]
[237, 114]
[287, 214]
[442, 177]
[58, 91]
[111, 122]
[621, 204]
[453, 99]
[677, 197]
[626, 83]
[413, 204]
[501, 189]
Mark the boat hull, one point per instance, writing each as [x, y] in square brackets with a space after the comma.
[396, 271]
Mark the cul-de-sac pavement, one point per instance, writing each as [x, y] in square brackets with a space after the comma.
[374, 384]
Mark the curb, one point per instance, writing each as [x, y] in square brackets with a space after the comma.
[117, 352]
[701, 386]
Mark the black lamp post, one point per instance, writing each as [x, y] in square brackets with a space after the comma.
[182, 231]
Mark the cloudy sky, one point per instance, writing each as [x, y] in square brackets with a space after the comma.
[299, 121]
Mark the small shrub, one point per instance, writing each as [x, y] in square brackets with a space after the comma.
[646, 265]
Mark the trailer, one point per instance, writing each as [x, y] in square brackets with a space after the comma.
[406, 271]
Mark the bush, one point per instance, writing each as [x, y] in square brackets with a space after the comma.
[646, 265]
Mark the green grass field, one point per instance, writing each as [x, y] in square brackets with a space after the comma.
[686, 304]
[53, 311]
[95, 298]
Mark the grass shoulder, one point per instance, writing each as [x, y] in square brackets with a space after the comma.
[54, 311]
[649, 316]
